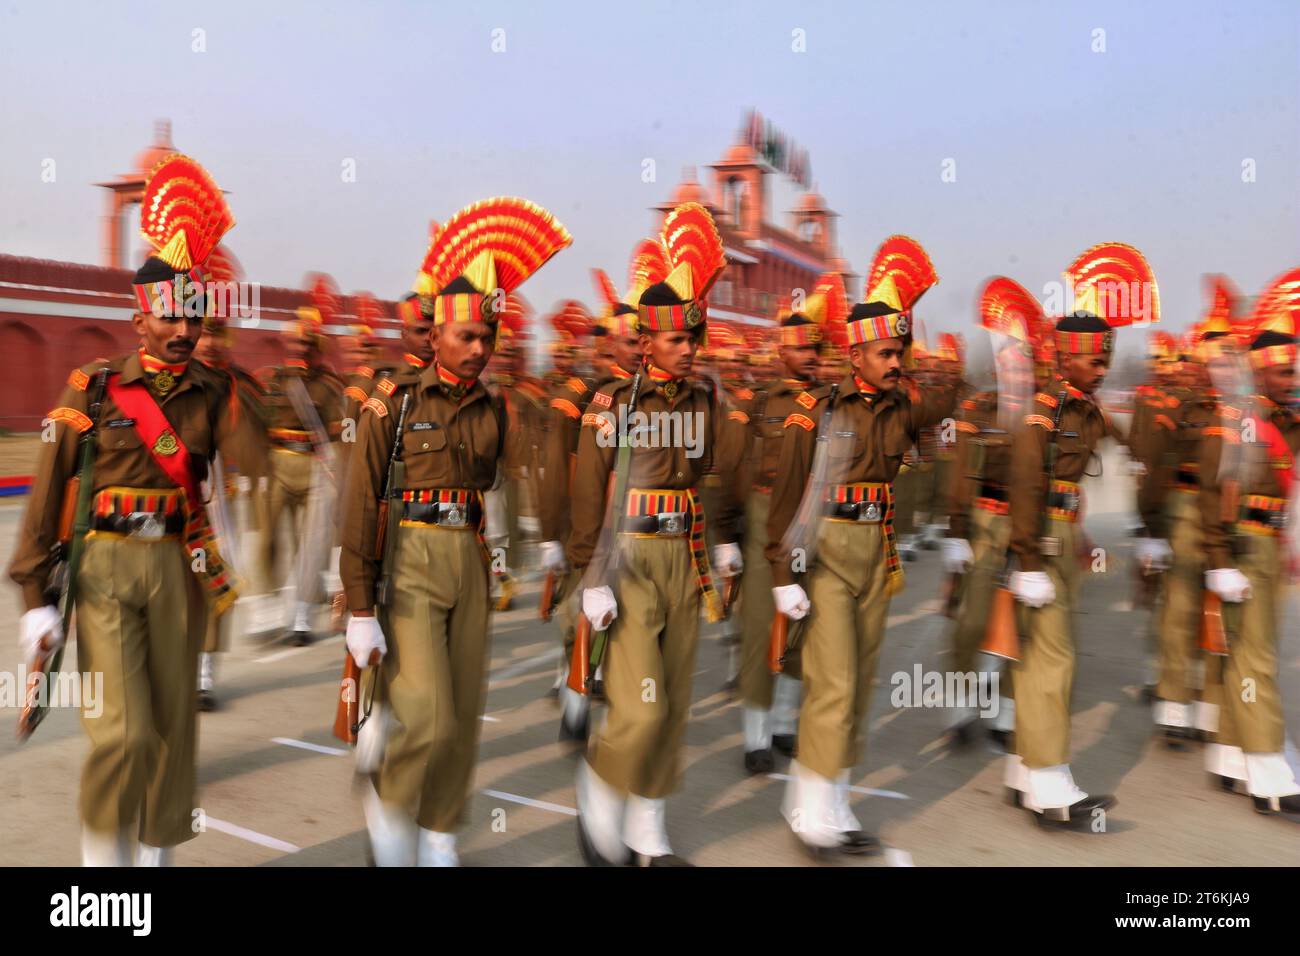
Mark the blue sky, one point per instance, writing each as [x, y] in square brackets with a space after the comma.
[1056, 146]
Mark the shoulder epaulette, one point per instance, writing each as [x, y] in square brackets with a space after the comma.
[577, 385]
[354, 393]
[803, 421]
[365, 371]
[969, 404]
[1046, 399]
[596, 420]
[968, 427]
[1040, 420]
[387, 386]
[376, 406]
[565, 406]
[78, 379]
[1227, 434]
[806, 400]
[78, 420]
[744, 394]
[737, 415]
[1171, 401]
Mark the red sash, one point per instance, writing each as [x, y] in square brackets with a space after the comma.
[171, 455]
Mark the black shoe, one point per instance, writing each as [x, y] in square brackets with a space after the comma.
[1286, 806]
[1228, 784]
[668, 859]
[858, 843]
[1175, 738]
[597, 690]
[731, 685]
[207, 701]
[962, 734]
[1015, 797]
[759, 761]
[302, 638]
[590, 855]
[1001, 739]
[1149, 693]
[785, 744]
[573, 735]
[1076, 814]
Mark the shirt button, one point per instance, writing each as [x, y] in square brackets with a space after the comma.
[426, 444]
[461, 446]
[679, 474]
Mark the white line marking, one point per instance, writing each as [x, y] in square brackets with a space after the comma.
[539, 804]
[252, 836]
[525, 665]
[870, 791]
[303, 745]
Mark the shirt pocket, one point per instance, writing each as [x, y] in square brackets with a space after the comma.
[428, 461]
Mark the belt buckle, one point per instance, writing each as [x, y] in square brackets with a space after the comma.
[869, 511]
[145, 526]
[1050, 547]
[1277, 519]
[453, 514]
[673, 522]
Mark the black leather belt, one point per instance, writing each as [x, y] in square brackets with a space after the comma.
[140, 524]
[995, 492]
[1063, 500]
[870, 512]
[302, 447]
[668, 523]
[1274, 519]
[1188, 478]
[447, 514]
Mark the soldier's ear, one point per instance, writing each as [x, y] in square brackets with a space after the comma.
[138, 323]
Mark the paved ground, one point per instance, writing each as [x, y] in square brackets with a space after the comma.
[275, 788]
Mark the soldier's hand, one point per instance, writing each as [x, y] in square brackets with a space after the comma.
[1034, 588]
[792, 601]
[957, 556]
[600, 607]
[553, 556]
[42, 629]
[1137, 469]
[1229, 584]
[365, 637]
[1154, 554]
[727, 560]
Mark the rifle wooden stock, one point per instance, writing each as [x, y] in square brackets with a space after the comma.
[31, 714]
[777, 642]
[952, 595]
[1000, 637]
[580, 663]
[1214, 637]
[345, 717]
[730, 588]
[381, 529]
[547, 606]
[68, 513]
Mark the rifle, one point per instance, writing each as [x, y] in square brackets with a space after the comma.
[547, 605]
[74, 524]
[346, 720]
[582, 671]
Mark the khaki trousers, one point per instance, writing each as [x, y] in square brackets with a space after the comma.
[434, 675]
[1251, 717]
[141, 617]
[842, 636]
[989, 536]
[757, 610]
[649, 665]
[288, 486]
[1044, 676]
[1180, 610]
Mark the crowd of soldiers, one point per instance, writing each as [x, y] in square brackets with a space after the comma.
[672, 469]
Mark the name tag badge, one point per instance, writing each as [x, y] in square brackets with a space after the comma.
[121, 423]
[423, 426]
[1069, 434]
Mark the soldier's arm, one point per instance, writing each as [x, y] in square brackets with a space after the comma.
[590, 484]
[1153, 485]
[358, 563]
[1216, 532]
[32, 560]
[559, 441]
[930, 406]
[962, 492]
[798, 442]
[730, 433]
[1028, 491]
[241, 435]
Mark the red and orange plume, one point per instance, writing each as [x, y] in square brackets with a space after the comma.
[222, 266]
[694, 249]
[323, 293]
[649, 266]
[572, 319]
[514, 316]
[1008, 308]
[605, 289]
[367, 309]
[1278, 307]
[505, 239]
[183, 214]
[1114, 282]
[900, 274]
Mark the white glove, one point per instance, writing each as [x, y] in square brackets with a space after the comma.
[553, 556]
[364, 637]
[792, 601]
[957, 556]
[1228, 583]
[1034, 588]
[600, 607]
[1153, 553]
[727, 560]
[40, 622]
[1136, 468]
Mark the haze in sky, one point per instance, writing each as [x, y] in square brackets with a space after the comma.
[1006, 137]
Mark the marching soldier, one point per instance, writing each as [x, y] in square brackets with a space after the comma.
[150, 567]
[305, 404]
[644, 553]
[622, 348]
[420, 601]
[1247, 485]
[838, 461]
[1050, 453]
[771, 702]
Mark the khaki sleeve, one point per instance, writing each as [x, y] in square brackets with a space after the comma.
[358, 563]
[797, 446]
[730, 436]
[1153, 485]
[1216, 533]
[962, 490]
[32, 560]
[930, 406]
[558, 454]
[1028, 493]
[590, 484]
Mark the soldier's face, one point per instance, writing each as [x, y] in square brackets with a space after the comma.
[1278, 382]
[211, 348]
[880, 363]
[625, 351]
[464, 348]
[351, 353]
[1085, 372]
[295, 349]
[800, 361]
[673, 351]
[416, 339]
[169, 339]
